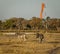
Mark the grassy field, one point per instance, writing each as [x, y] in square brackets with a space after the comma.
[13, 45]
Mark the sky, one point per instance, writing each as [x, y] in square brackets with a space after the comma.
[28, 8]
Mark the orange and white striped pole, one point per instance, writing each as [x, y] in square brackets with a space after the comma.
[42, 9]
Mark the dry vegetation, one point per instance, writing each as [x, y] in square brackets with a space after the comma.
[12, 45]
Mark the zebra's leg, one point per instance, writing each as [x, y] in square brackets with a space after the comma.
[24, 37]
[40, 40]
[19, 38]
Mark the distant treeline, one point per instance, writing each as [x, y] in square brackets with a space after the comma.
[34, 23]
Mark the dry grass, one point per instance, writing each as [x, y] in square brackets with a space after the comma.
[12, 45]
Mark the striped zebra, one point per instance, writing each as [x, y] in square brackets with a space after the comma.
[40, 36]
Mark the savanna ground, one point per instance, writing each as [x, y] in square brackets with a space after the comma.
[13, 45]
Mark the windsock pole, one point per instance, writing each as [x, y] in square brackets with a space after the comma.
[42, 9]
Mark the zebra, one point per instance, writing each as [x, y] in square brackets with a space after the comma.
[22, 36]
[40, 36]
